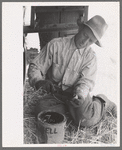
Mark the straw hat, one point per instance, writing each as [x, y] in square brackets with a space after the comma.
[98, 26]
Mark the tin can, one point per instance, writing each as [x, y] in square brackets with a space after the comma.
[51, 127]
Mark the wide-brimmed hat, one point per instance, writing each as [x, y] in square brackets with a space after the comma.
[98, 26]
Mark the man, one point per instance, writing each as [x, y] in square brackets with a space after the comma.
[67, 68]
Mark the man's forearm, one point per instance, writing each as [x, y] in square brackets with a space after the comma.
[81, 91]
[34, 75]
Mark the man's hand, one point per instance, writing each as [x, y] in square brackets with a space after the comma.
[76, 101]
[46, 85]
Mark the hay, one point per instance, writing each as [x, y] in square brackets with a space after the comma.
[104, 133]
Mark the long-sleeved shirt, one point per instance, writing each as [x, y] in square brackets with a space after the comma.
[62, 62]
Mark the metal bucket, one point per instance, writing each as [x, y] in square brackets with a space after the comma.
[51, 127]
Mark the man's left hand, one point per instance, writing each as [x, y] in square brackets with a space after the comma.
[76, 101]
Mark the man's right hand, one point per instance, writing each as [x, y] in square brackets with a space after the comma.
[46, 85]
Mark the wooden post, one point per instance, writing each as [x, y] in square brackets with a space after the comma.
[32, 16]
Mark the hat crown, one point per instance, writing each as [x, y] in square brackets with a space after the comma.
[98, 26]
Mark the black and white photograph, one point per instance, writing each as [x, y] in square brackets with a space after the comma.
[69, 88]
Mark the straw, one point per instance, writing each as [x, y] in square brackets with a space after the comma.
[104, 133]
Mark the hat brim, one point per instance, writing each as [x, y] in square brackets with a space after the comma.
[98, 43]
[98, 40]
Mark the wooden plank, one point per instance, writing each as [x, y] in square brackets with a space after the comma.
[32, 16]
[52, 27]
[58, 8]
[47, 18]
[70, 17]
[73, 8]
[68, 32]
[86, 13]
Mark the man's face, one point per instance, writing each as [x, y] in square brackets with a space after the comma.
[84, 38]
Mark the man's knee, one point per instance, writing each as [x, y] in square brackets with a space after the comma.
[87, 114]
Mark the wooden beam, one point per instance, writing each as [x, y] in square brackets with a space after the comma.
[32, 16]
[52, 28]
[58, 8]
[86, 13]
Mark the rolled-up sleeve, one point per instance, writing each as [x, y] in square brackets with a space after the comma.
[87, 77]
[39, 66]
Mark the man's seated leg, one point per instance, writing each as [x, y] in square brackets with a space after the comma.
[89, 113]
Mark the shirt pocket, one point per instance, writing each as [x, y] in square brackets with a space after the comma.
[57, 71]
[72, 78]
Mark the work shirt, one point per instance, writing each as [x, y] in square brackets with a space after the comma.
[62, 62]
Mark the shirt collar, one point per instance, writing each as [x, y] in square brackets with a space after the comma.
[73, 46]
